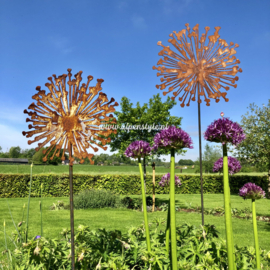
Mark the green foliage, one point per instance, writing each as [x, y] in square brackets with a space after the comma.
[14, 152]
[59, 205]
[55, 185]
[94, 198]
[198, 248]
[185, 162]
[38, 156]
[209, 157]
[255, 149]
[154, 113]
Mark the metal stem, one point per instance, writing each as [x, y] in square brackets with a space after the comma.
[71, 209]
[200, 154]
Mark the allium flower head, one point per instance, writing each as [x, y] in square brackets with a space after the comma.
[69, 116]
[172, 137]
[251, 191]
[165, 180]
[197, 68]
[138, 149]
[234, 165]
[37, 237]
[225, 131]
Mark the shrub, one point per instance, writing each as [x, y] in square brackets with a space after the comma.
[199, 248]
[59, 205]
[94, 198]
[57, 185]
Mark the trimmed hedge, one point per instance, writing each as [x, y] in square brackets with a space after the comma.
[55, 185]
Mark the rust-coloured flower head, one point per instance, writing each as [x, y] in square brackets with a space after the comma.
[197, 69]
[70, 119]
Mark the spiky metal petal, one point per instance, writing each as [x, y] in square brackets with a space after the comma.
[70, 117]
[197, 69]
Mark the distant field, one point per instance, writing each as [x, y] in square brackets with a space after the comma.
[93, 169]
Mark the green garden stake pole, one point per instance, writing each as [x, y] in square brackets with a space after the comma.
[144, 208]
[227, 206]
[41, 210]
[168, 229]
[254, 221]
[172, 214]
[26, 234]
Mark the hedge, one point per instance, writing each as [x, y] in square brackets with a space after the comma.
[55, 185]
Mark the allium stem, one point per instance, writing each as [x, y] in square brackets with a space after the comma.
[41, 234]
[227, 206]
[172, 213]
[254, 221]
[27, 218]
[144, 208]
[168, 229]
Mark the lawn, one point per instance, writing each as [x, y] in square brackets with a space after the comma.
[122, 219]
[94, 169]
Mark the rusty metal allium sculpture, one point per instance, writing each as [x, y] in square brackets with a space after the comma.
[69, 119]
[197, 69]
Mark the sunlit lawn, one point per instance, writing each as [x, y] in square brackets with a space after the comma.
[94, 169]
[122, 219]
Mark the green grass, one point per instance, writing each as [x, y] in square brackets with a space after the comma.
[122, 219]
[94, 169]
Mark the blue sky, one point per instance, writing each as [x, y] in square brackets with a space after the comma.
[117, 41]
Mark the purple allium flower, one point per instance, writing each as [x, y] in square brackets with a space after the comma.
[234, 165]
[224, 131]
[251, 191]
[172, 137]
[165, 180]
[37, 237]
[138, 149]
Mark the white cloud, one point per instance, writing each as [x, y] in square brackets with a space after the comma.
[10, 136]
[61, 43]
[14, 114]
[138, 22]
[122, 5]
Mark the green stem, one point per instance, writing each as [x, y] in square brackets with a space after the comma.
[172, 213]
[168, 230]
[254, 220]
[41, 211]
[144, 208]
[26, 234]
[6, 243]
[227, 206]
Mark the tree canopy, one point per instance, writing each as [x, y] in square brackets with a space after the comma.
[155, 113]
[255, 149]
[185, 162]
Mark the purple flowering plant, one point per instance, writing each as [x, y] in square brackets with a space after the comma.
[251, 191]
[138, 149]
[225, 131]
[172, 137]
[234, 165]
[165, 180]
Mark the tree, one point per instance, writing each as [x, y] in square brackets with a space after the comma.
[209, 157]
[185, 162]
[156, 113]
[14, 152]
[28, 153]
[255, 149]
[38, 156]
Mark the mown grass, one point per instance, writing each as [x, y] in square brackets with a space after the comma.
[94, 169]
[122, 219]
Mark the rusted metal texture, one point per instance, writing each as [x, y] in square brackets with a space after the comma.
[70, 115]
[197, 67]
